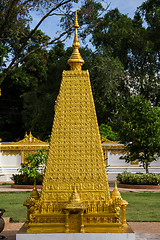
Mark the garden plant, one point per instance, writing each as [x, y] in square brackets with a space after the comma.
[32, 169]
[139, 178]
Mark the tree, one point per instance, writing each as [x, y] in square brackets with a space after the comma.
[107, 132]
[135, 46]
[115, 32]
[144, 64]
[38, 103]
[15, 34]
[150, 10]
[109, 84]
[138, 125]
[36, 83]
[29, 76]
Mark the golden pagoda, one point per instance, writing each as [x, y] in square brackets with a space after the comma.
[75, 196]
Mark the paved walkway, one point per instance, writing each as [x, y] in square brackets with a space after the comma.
[146, 230]
[7, 188]
[143, 230]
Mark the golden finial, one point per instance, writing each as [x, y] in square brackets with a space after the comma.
[76, 60]
[76, 25]
[30, 137]
[115, 193]
[34, 194]
[26, 135]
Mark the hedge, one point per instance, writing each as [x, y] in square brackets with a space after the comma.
[139, 178]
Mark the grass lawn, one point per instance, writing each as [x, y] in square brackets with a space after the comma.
[142, 206]
[13, 204]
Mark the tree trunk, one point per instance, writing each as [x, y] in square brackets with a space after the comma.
[146, 167]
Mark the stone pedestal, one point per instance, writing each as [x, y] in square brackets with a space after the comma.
[23, 235]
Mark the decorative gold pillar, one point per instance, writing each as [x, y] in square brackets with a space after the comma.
[66, 221]
[82, 223]
[123, 208]
[22, 156]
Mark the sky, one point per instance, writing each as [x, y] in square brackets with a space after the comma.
[126, 7]
[49, 26]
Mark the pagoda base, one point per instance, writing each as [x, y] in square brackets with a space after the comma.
[128, 234]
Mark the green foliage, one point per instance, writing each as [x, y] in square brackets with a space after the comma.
[139, 178]
[38, 102]
[113, 31]
[3, 53]
[30, 105]
[106, 132]
[33, 162]
[150, 10]
[16, 88]
[136, 46]
[32, 169]
[108, 84]
[138, 125]
[16, 35]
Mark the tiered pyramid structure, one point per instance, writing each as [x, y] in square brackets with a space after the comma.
[75, 194]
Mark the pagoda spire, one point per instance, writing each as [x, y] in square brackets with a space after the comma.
[75, 159]
[76, 60]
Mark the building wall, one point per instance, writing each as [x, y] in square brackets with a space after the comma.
[13, 154]
[8, 166]
[117, 165]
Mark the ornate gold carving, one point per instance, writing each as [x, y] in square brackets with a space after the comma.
[12, 152]
[28, 140]
[117, 151]
[119, 203]
[31, 204]
[75, 204]
[113, 147]
[28, 144]
[75, 159]
[109, 143]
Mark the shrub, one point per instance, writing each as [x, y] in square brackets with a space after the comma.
[21, 179]
[139, 178]
[32, 169]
